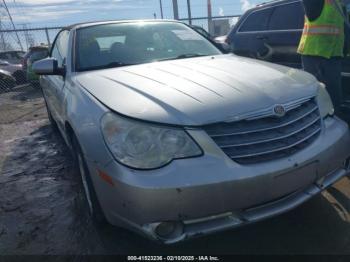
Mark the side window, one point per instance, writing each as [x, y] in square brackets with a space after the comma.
[287, 17]
[256, 21]
[60, 48]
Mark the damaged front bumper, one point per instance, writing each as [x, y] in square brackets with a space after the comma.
[200, 196]
[213, 224]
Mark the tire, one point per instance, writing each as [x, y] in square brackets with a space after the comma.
[20, 77]
[93, 205]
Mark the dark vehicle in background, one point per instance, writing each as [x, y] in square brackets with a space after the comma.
[13, 57]
[222, 40]
[271, 32]
[36, 55]
[7, 81]
[32, 50]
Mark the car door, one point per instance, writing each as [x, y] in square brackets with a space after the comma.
[54, 85]
[285, 28]
[248, 36]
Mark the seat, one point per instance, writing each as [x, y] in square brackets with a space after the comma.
[90, 55]
[121, 53]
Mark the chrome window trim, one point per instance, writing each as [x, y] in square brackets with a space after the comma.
[258, 10]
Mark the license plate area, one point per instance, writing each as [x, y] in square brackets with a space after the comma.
[294, 180]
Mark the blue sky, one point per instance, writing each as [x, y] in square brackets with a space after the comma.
[39, 13]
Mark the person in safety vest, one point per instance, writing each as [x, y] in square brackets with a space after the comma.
[323, 45]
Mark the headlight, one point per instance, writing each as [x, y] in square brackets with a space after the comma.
[145, 146]
[324, 102]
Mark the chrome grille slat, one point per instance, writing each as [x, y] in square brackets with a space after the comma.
[288, 107]
[279, 149]
[256, 140]
[276, 138]
[267, 128]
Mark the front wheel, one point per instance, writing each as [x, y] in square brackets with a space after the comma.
[20, 77]
[93, 205]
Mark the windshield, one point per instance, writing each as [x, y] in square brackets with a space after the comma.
[114, 45]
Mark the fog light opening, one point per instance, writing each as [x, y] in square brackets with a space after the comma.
[169, 230]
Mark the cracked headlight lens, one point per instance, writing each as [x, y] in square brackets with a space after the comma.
[146, 146]
[324, 102]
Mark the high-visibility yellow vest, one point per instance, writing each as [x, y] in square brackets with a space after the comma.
[324, 36]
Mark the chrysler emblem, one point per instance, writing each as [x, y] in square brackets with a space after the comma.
[279, 111]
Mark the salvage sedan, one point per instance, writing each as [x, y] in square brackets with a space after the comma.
[175, 139]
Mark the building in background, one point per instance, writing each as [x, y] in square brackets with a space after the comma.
[220, 27]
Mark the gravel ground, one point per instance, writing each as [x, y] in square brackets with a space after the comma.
[42, 208]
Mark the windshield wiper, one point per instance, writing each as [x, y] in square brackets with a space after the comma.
[115, 64]
[182, 56]
[110, 65]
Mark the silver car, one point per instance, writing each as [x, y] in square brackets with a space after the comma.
[176, 140]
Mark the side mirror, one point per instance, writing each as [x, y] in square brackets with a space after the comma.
[48, 66]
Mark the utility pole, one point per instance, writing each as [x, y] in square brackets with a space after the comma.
[189, 12]
[47, 37]
[26, 35]
[13, 25]
[161, 9]
[210, 21]
[176, 10]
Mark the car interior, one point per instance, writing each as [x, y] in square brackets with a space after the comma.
[126, 47]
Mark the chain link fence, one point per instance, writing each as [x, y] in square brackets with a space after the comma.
[216, 25]
[19, 49]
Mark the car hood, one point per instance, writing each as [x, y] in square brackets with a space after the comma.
[4, 72]
[197, 91]
[12, 68]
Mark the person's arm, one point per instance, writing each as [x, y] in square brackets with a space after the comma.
[313, 8]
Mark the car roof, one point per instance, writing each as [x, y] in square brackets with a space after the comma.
[2, 71]
[273, 3]
[88, 24]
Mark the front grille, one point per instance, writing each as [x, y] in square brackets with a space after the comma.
[269, 138]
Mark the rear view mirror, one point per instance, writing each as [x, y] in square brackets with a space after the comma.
[48, 66]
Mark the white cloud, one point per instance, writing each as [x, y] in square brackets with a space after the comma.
[221, 11]
[65, 11]
[42, 16]
[42, 2]
[245, 5]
